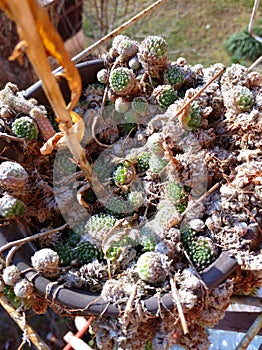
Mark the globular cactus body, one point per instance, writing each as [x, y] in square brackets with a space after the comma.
[11, 207]
[13, 177]
[26, 128]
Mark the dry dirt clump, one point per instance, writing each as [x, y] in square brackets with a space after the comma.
[177, 150]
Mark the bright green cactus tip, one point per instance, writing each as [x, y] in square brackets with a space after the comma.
[150, 268]
[174, 76]
[11, 207]
[97, 228]
[140, 105]
[25, 127]
[85, 252]
[165, 95]
[201, 252]
[244, 98]
[122, 174]
[192, 117]
[153, 50]
[13, 177]
[157, 163]
[143, 162]
[122, 81]
[177, 195]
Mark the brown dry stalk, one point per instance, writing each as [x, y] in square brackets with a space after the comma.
[20, 321]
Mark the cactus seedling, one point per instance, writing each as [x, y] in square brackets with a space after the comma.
[244, 98]
[85, 252]
[150, 268]
[11, 207]
[123, 174]
[174, 76]
[191, 118]
[177, 195]
[13, 176]
[153, 51]
[157, 163]
[26, 128]
[139, 105]
[143, 162]
[165, 95]
[122, 81]
[201, 252]
[154, 143]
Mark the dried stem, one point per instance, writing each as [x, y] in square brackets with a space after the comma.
[20, 321]
[178, 304]
[22, 241]
[82, 55]
[250, 334]
[197, 94]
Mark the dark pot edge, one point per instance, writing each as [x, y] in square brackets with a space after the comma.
[79, 302]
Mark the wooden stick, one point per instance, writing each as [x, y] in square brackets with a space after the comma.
[115, 32]
[250, 334]
[20, 321]
[78, 335]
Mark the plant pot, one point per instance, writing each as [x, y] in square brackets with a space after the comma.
[75, 301]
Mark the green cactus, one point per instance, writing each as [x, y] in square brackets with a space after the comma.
[143, 162]
[117, 206]
[122, 81]
[64, 163]
[201, 252]
[122, 174]
[187, 234]
[157, 163]
[65, 254]
[177, 195]
[139, 105]
[244, 98]
[192, 118]
[12, 176]
[11, 207]
[25, 127]
[126, 47]
[153, 50]
[97, 227]
[165, 95]
[150, 268]
[85, 252]
[174, 76]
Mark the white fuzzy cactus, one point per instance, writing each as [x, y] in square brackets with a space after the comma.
[46, 261]
[23, 288]
[11, 275]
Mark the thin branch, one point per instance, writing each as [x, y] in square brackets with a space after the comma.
[115, 32]
[250, 334]
[22, 241]
[20, 321]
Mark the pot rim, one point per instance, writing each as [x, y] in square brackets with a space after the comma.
[87, 303]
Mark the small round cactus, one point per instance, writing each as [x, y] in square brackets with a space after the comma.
[244, 98]
[143, 162]
[65, 254]
[26, 128]
[174, 76]
[165, 95]
[85, 252]
[177, 195]
[23, 288]
[103, 76]
[139, 105]
[121, 105]
[157, 163]
[97, 227]
[187, 234]
[192, 117]
[11, 207]
[11, 275]
[116, 206]
[153, 51]
[125, 47]
[122, 81]
[150, 268]
[46, 261]
[123, 174]
[13, 177]
[202, 252]
[154, 143]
